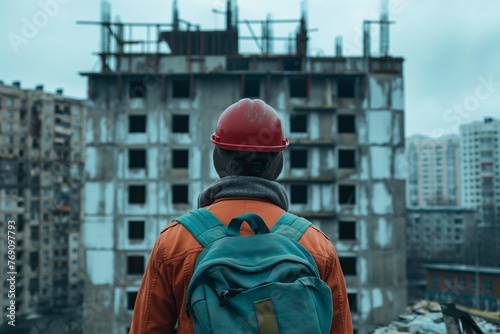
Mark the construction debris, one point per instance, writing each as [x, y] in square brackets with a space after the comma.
[426, 317]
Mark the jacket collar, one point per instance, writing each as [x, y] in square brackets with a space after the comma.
[244, 187]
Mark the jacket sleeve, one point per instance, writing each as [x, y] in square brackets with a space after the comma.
[342, 322]
[155, 308]
[326, 257]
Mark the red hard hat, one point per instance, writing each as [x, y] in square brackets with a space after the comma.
[250, 125]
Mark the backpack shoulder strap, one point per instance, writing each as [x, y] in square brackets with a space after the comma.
[291, 226]
[204, 226]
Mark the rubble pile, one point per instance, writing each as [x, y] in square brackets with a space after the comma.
[426, 317]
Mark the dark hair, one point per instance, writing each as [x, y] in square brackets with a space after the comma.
[267, 165]
[249, 163]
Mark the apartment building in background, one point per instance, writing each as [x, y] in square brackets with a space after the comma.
[438, 234]
[41, 170]
[434, 176]
[480, 173]
[151, 113]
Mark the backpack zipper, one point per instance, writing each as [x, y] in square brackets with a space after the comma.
[225, 294]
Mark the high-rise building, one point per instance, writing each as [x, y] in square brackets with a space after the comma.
[481, 182]
[433, 171]
[41, 172]
[150, 117]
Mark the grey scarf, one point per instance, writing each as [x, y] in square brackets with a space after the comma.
[244, 187]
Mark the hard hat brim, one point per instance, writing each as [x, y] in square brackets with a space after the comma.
[249, 148]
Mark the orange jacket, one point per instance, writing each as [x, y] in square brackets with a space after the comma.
[161, 300]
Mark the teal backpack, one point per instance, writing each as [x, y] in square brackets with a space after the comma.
[264, 283]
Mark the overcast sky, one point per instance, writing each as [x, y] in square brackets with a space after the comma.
[451, 47]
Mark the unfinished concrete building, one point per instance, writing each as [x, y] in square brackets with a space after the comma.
[41, 172]
[150, 117]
